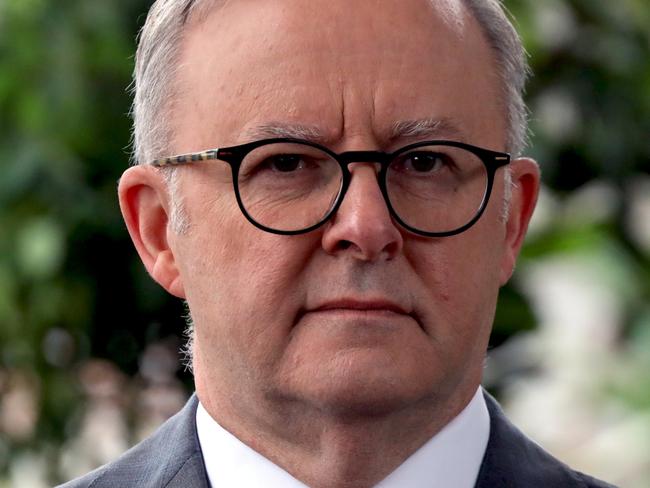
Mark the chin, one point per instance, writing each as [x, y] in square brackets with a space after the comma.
[366, 405]
[361, 385]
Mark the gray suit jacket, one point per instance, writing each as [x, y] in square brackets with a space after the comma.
[171, 458]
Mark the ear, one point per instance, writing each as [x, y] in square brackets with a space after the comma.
[525, 187]
[145, 206]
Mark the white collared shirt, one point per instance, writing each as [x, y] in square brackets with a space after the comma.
[450, 458]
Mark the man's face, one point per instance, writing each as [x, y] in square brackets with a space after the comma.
[359, 314]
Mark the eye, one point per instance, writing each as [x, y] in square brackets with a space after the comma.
[284, 160]
[284, 163]
[422, 162]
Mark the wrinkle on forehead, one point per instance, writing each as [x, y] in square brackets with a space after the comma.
[348, 98]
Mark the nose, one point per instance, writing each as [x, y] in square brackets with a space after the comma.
[362, 226]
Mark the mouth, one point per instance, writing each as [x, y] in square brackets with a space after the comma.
[362, 306]
[357, 307]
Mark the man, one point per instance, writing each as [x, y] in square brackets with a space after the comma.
[342, 251]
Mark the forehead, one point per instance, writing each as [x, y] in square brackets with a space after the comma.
[339, 66]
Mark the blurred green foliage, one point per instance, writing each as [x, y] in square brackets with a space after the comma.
[72, 287]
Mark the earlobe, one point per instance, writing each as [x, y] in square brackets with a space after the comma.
[144, 203]
[525, 187]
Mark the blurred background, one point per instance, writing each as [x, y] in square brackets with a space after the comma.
[89, 360]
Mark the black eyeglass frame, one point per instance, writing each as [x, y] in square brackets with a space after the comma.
[234, 155]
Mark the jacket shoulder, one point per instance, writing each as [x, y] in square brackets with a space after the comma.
[512, 460]
[592, 482]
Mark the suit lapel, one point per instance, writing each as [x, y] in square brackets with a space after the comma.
[191, 473]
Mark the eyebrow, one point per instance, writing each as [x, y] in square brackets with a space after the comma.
[432, 128]
[292, 131]
[443, 128]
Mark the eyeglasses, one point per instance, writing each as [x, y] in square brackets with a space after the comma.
[290, 186]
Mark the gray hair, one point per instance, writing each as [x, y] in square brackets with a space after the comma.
[157, 65]
[511, 61]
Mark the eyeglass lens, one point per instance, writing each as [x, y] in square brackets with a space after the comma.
[291, 186]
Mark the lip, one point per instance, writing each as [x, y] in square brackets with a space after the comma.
[375, 305]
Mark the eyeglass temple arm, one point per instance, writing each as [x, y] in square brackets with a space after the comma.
[186, 158]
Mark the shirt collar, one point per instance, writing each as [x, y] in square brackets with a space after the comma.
[450, 458]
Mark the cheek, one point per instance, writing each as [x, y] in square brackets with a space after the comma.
[461, 277]
[243, 287]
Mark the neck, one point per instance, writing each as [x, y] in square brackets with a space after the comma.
[336, 448]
